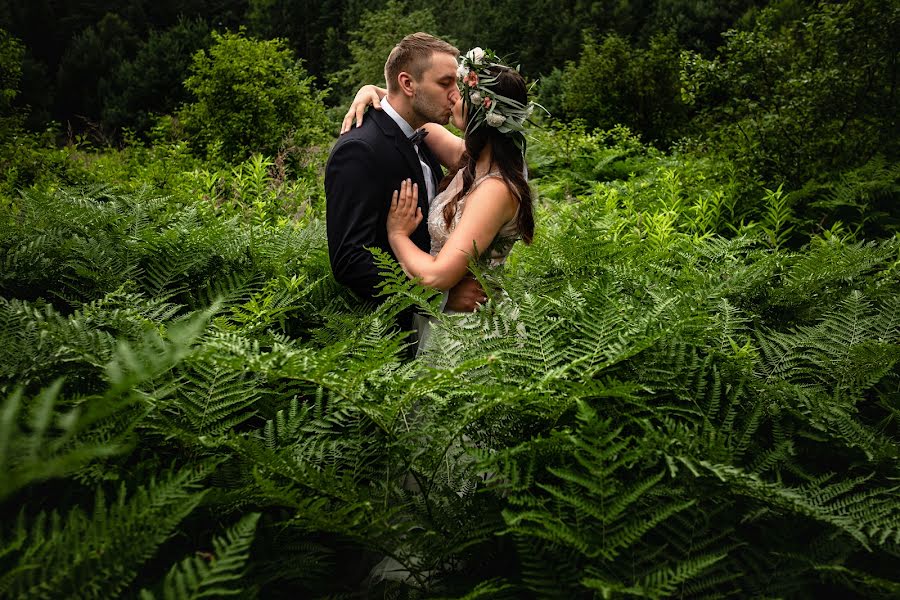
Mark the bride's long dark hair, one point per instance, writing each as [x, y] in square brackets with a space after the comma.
[508, 157]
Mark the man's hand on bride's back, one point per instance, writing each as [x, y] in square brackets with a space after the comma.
[367, 95]
[466, 296]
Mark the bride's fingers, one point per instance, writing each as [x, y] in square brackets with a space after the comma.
[398, 200]
[412, 199]
[405, 201]
[354, 113]
[367, 95]
[404, 193]
[360, 111]
[345, 124]
[376, 101]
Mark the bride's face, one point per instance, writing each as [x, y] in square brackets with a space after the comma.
[457, 115]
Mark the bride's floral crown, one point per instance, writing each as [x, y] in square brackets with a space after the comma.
[485, 105]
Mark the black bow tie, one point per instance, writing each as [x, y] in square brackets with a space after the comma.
[417, 137]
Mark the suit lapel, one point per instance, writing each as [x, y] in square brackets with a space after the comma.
[436, 172]
[412, 160]
[407, 151]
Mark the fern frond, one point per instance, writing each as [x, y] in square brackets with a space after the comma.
[400, 289]
[535, 556]
[866, 583]
[168, 270]
[216, 576]
[662, 582]
[155, 353]
[871, 517]
[210, 400]
[494, 589]
[231, 289]
[38, 339]
[97, 555]
[48, 441]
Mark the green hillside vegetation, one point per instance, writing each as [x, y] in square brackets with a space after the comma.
[688, 386]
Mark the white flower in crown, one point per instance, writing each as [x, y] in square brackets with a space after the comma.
[476, 55]
[494, 119]
[475, 97]
[462, 71]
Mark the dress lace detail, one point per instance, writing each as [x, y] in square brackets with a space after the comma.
[500, 247]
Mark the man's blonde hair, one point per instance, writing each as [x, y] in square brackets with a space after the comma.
[413, 55]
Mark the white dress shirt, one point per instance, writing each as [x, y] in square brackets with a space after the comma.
[408, 131]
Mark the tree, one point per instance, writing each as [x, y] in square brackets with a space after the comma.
[251, 95]
[379, 31]
[151, 83]
[315, 29]
[794, 101]
[614, 83]
[86, 68]
[11, 53]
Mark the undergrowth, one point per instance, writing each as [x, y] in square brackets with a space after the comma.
[669, 393]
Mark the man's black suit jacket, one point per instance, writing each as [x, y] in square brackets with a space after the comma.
[365, 167]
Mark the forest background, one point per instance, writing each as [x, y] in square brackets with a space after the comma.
[688, 385]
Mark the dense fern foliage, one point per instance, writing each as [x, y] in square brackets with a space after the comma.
[666, 395]
[688, 386]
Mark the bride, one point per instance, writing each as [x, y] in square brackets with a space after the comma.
[484, 204]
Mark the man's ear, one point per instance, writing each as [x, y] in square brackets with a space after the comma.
[407, 83]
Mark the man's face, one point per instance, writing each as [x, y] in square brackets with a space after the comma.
[436, 92]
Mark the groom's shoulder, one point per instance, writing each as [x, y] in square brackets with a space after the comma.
[368, 138]
[369, 134]
[359, 150]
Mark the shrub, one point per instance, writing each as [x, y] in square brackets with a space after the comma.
[614, 83]
[250, 96]
[796, 101]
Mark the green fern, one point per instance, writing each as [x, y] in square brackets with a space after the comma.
[642, 408]
[216, 576]
[591, 511]
[209, 400]
[49, 441]
[661, 583]
[96, 555]
[870, 517]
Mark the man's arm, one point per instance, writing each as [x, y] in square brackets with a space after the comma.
[352, 215]
[465, 296]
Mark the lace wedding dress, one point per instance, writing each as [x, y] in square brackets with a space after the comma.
[499, 249]
[494, 255]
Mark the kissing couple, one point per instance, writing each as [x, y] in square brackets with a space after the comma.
[385, 185]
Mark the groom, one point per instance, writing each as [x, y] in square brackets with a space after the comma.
[368, 164]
